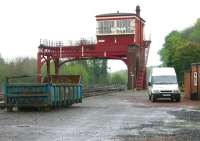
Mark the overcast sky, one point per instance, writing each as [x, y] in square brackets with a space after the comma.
[24, 22]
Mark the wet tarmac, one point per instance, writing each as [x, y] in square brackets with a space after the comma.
[122, 116]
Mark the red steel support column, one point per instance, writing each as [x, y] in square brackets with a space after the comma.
[132, 53]
[39, 67]
[56, 62]
[48, 65]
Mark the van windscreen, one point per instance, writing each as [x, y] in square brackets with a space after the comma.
[164, 79]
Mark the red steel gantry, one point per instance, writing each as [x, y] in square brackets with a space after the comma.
[119, 36]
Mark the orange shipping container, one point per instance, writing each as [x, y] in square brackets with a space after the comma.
[187, 84]
[192, 82]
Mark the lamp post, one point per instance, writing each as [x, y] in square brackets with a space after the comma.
[132, 76]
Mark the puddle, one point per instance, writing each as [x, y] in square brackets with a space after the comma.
[185, 126]
[188, 115]
[23, 126]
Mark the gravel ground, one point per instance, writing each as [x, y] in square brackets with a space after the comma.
[122, 116]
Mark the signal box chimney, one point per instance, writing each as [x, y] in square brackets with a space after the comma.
[138, 10]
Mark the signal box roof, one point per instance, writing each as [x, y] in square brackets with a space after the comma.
[115, 14]
[118, 14]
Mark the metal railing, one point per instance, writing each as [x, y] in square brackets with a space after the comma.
[51, 43]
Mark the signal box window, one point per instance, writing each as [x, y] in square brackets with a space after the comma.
[116, 27]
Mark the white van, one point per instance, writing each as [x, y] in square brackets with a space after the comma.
[163, 84]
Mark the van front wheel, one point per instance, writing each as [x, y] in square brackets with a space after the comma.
[153, 99]
[149, 97]
[178, 99]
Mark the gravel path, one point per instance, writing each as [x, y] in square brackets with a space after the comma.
[122, 116]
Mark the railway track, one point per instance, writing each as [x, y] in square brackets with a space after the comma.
[91, 91]
[1, 94]
[1, 97]
[102, 90]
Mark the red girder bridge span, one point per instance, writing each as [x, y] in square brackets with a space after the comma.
[47, 54]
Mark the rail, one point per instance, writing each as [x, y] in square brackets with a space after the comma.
[88, 92]
[102, 90]
[1, 95]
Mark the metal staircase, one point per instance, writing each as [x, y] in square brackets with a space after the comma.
[141, 77]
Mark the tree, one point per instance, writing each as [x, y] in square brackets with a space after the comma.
[76, 69]
[172, 42]
[2, 70]
[119, 77]
[1, 60]
[192, 34]
[181, 49]
[184, 57]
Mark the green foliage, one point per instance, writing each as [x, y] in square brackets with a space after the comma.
[119, 77]
[1, 60]
[172, 42]
[98, 68]
[181, 49]
[192, 34]
[76, 69]
[2, 69]
[93, 72]
[19, 66]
